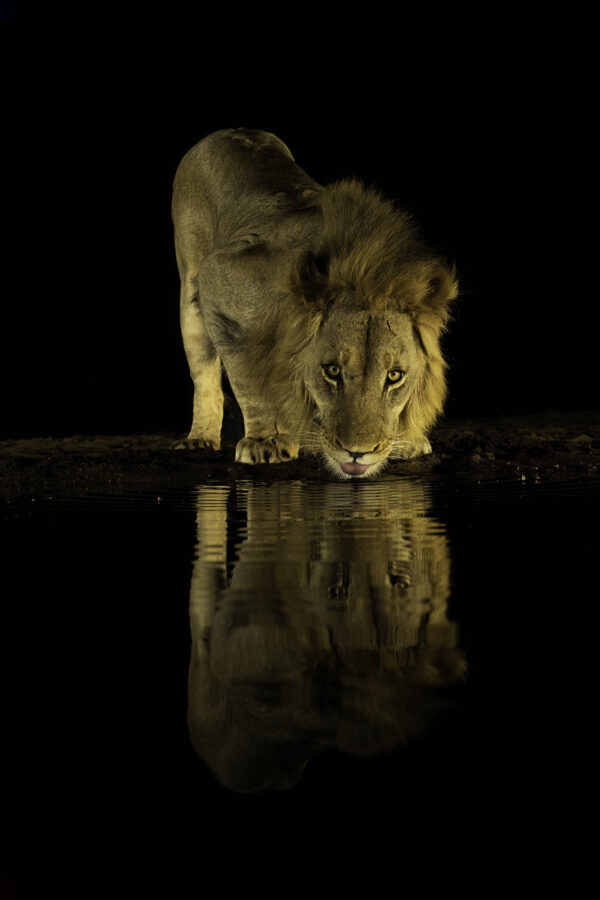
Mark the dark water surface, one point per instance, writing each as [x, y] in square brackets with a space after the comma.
[303, 689]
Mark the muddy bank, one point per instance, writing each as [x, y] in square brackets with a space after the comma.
[543, 446]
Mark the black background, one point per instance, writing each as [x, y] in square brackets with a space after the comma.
[480, 127]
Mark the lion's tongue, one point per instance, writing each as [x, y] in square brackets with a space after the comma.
[353, 468]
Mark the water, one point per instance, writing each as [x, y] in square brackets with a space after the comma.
[371, 685]
[322, 624]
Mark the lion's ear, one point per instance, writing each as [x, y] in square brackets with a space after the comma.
[310, 276]
[441, 290]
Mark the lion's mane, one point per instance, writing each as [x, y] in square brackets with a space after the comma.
[370, 252]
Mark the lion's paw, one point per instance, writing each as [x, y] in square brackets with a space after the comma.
[273, 449]
[190, 443]
[420, 447]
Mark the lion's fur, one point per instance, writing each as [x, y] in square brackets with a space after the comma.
[296, 255]
[371, 250]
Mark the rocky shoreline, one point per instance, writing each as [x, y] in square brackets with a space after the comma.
[542, 446]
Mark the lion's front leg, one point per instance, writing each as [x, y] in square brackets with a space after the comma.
[263, 442]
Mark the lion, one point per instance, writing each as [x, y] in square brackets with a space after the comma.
[322, 304]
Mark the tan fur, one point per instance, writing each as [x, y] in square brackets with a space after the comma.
[281, 277]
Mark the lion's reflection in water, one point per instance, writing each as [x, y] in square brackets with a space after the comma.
[327, 628]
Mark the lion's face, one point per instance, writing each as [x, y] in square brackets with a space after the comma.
[361, 370]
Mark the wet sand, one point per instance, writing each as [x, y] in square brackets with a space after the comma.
[541, 446]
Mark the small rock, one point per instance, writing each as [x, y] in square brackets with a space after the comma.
[581, 439]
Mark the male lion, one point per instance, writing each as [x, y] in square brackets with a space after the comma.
[322, 304]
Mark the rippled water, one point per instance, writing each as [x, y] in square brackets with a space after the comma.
[356, 676]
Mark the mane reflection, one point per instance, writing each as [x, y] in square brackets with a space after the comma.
[319, 619]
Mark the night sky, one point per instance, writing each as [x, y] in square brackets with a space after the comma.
[482, 132]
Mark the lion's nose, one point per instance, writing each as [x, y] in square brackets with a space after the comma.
[356, 453]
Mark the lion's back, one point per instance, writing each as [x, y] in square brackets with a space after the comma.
[233, 180]
[228, 156]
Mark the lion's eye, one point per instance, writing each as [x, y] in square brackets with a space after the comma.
[394, 376]
[332, 371]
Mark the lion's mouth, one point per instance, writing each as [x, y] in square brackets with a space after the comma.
[353, 468]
